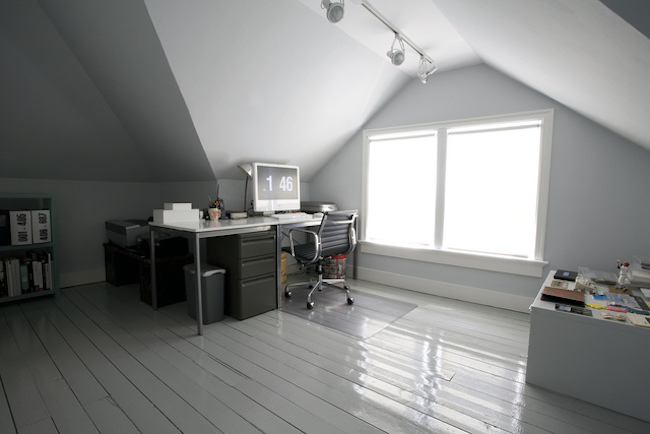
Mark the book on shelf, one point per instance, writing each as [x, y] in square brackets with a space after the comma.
[11, 267]
[25, 275]
[42, 266]
[5, 228]
[20, 223]
[41, 229]
[4, 289]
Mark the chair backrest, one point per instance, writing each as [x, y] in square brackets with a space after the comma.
[337, 233]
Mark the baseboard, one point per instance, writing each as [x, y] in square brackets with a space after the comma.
[85, 277]
[449, 290]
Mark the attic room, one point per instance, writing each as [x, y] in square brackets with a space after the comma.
[114, 108]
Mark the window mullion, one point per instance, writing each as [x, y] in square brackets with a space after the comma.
[440, 187]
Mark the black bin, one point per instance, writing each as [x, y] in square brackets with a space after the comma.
[212, 291]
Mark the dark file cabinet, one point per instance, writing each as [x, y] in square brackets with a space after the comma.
[249, 260]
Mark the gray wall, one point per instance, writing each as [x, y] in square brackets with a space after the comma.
[82, 207]
[598, 204]
[598, 207]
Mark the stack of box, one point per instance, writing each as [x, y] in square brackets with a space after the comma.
[175, 213]
[283, 267]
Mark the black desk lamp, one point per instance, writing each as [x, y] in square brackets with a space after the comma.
[248, 170]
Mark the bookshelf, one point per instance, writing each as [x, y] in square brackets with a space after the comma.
[28, 254]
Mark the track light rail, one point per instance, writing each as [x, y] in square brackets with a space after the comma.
[395, 30]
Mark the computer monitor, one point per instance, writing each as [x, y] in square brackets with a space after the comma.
[276, 187]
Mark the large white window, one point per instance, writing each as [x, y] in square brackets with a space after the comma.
[471, 193]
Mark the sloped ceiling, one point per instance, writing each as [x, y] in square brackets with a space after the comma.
[162, 90]
[88, 94]
[577, 52]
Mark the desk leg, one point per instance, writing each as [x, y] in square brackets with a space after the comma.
[278, 267]
[199, 301]
[152, 256]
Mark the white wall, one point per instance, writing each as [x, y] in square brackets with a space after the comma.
[598, 207]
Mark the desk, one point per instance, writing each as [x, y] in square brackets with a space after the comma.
[601, 361]
[196, 231]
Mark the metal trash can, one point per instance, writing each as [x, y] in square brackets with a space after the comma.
[212, 291]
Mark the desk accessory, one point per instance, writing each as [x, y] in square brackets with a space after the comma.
[566, 275]
[567, 296]
[236, 215]
[562, 284]
[639, 320]
[573, 309]
[641, 302]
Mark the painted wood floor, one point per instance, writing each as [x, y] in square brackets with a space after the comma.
[96, 359]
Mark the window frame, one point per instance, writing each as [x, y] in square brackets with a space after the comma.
[507, 264]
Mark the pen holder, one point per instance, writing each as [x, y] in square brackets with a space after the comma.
[215, 213]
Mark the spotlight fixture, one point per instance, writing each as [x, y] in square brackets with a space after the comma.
[334, 10]
[426, 67]
[396, 55]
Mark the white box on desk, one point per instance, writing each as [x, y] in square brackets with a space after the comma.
[41, 227]
[20, 223]
[167, 216]
[176, 206]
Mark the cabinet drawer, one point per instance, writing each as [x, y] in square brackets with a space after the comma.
[254, 267]
[256, 245]
[224, 250]
[250, 297]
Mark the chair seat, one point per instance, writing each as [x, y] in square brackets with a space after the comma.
[304, 253]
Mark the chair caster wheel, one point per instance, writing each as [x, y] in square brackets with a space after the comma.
[310, 305]
[350, 300]
[287, 294]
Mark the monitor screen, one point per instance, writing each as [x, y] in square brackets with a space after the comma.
[276, 187]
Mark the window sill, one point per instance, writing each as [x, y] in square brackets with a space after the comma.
[523, 267]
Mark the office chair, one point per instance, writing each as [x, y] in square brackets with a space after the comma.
[336, 235]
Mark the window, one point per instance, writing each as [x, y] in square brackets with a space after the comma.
[471, 193]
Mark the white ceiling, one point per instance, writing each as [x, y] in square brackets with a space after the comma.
[162, 90]
[419, 20]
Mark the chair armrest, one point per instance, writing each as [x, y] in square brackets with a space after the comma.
[314, 239]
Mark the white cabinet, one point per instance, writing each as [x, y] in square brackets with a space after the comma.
[602, 361]
[27, 247]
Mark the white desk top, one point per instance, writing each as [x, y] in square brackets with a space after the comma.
[232, 224]
[548, 308]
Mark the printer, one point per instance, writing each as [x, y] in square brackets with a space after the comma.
[314, 207]
[125, 233]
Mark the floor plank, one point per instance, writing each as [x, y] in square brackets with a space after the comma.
[25, 401]
[98, 359]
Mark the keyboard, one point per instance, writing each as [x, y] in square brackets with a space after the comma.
[292, 216]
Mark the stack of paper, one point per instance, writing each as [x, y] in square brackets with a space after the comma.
[175, 213]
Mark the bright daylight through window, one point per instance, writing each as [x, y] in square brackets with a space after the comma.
[474, 188]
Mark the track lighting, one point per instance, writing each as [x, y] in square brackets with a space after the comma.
[425, 69]
[426, 66]
[334, 11]
[396, 55]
